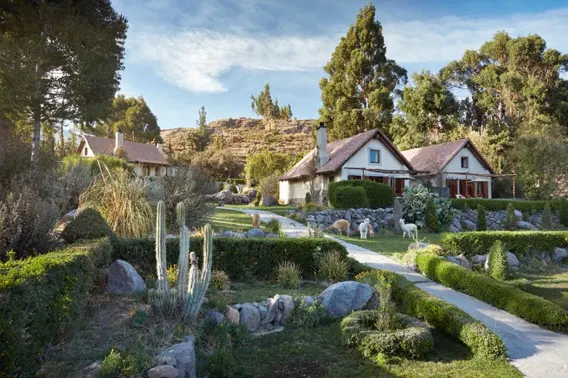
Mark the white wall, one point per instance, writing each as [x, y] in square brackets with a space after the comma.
[474, 166]
[361, 160]
[290, 190]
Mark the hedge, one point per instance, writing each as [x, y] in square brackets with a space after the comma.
[522, 242]
[501, 204]
[349, 197]
[241, 259]
[40, 297]
[441, 315]
[88, 225]
[378, 195]
[502, 295]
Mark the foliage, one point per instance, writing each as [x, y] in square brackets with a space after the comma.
[241, 259]
[430, 217]
[498, 263]
[269, 185]
[310, 207]
[308, 198]
[519, 242]
[510, 221]
[266, 108]
[439, 314]
[357, 94]
[131, 115]
[257, 199]
[220, 280]
[288, 275]
[563, 213]
[481, 218]
[128, 363]
[40, 297]
[262, 164]
[218, 343]
[501, 204]
[547, 217]
[200, 139]
[219, 163]
[530, 307]
[414, 201]
[378, 195]
[332, 266]
[272, 226]
[309, 316]
[88, 224]
[349, 197]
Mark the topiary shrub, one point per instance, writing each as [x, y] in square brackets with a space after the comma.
[481, 218]
[347, 197]
[87, 225]
[430, 216]
[510, 222]
[378, 195]
[563, 213]
[547, 217]
[498, 263]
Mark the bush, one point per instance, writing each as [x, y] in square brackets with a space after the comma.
[481, 218]
[288, 275]
[258, 198]
[507, 297]
[563, 213]
[310, 207]
[441, 315]
[547, 217]
[220, 280]
[87, 225]
[378, 195]
[272, 226]
[498, 263]
[309, 316]
[492, 204]
[415, 200]
[520, 242]
[241, 259]
[332, 266]
[40, 297]
[347, 197]
[308, 198]
[430, 216]
[510, 222]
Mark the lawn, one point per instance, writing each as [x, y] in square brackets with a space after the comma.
[390, 244]
[224, 219]
[280, 210]
[552, 284]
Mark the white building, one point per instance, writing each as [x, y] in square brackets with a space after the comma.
[457, 165]
[369, 155]
[147, 159]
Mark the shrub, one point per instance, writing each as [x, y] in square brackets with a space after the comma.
[309, 316]
[547, 217]
[498, 263]
[443, 316]
[88, 224]
[378, 195]
[258, 198]
[415, 200]
[492, 204]
[530, 307]
[332, 266]
[40, 297]
[310, 207]
[220, 280]
[240, 258]
[520, 242]
[510, 222]
[481, 218]
[288, 275]
[563, 213]
[308, 198]
[347, 197]
[430, 216]
[272, 226]
[129, 363]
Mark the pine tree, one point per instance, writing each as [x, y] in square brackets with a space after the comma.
[430, 217]
[497, 262]
[547, 217]
[263, 106]
[481, 218]
[510, 218]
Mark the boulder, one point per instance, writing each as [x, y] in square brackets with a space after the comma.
[456, 224]
[230, 234]
[263, 311]
[184, 354]
[389, 219]
[163, 371]
[518, 214]
[225, 196]
[269, 201]
[512, 259]
[288, 308]
[453, 229]
[255, 233]
[412, 246]
[558, 254]
[123, 279]
[479, 259]
[343, 297]
[232, 315]
[469, 225]
[522, 225]
[92, 371]
[250, 317]
[461, 260]
[252, 194]
[214, 317]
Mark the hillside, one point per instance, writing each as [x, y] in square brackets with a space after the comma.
[244, 136]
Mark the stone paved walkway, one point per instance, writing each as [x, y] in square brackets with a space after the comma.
[535, 351]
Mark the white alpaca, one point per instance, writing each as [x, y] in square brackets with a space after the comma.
[408, 229]
[364, 228]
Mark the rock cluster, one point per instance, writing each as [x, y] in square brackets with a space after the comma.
[228, 197]
[266, 315]
[467, 221]
[378, 217]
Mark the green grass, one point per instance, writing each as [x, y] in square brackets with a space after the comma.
[391, 244]
[552, 284]
[230, 220]
[280, 210]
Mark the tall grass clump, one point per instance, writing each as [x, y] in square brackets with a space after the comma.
[121, 198]
[289, 275]
[272, 226]
[332, 267]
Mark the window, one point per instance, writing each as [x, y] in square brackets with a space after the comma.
[375, 156]
[86, 151]
[465, 162]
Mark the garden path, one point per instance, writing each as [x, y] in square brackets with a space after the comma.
[535, 351]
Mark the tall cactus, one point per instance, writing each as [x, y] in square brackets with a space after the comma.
[161, 246]
[183, 262]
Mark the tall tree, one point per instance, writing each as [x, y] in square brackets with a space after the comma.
[358, 93]
[263, 106]
[133, 116]
[201, 139]
[59, 60]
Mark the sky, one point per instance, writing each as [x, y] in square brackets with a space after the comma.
[182, 54]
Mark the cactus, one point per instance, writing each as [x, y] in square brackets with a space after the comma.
[183, 251]
[161, 247]
[199, 283]
[164, 300]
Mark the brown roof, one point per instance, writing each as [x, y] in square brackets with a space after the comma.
[135, 152]
[435, 158]
[339, 152]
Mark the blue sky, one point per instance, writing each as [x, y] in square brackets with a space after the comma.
[181, 54]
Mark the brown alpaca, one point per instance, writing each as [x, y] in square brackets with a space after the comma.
[370, 231]
[256, 220]
[340, 225]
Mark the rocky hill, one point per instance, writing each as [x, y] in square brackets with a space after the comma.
[244, 136]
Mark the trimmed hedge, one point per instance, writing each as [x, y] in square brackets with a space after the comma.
[40, 297]
[241, 259]
[441, 315]
[88, 225]
[378, 195]
[522, 242]
[502, 295]
[348, 197]
[501, 204]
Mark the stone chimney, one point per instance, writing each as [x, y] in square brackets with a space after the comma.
[322, 155]
[160, 147]
[118, 140]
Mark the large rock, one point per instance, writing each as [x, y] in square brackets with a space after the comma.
[558, 254]
[232, 315]
[479, 259]
[250, 317]
[184, 354]
[163, 371]
[518, 214]
[269, 201]
[92, 371]
[456, 224]
[225, 196]
[343, 297]
[255, 233]
[124, 279]
[252, 194]
[526, 226]
[214, 317]
[288, 308]
[412, 246]
[461, 260]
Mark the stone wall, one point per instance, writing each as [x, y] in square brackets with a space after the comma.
[467, 221]
[379, 218]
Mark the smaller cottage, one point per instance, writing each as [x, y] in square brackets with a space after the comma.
[457, 165]
[147, 159]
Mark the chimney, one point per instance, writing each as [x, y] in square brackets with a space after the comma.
[160, 147]
[118, 140]
[321, 153]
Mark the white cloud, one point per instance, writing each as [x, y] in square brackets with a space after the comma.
[195, 60]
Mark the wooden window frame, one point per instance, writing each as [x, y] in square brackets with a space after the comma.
[371, 150]
[466, 160]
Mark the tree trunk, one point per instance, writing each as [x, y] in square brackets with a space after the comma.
[62, 140]
[36, 133]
